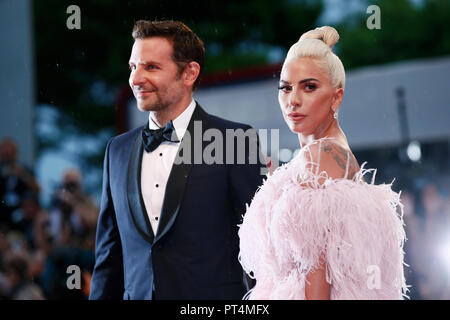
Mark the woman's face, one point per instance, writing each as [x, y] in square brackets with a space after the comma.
[307, 97]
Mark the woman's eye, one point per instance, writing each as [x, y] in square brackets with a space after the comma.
[310, 87]
[150, 67]
[132, 67]
[284, 88]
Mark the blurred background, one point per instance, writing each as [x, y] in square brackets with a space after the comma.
[64, 93]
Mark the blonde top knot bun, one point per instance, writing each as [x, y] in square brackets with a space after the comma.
[327, 34]
[318, 44]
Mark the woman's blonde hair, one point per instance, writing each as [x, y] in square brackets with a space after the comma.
[317, 44]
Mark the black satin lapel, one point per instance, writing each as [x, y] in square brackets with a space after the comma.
[178, 176]
[134, 194]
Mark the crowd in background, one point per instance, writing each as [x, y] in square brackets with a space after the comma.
[427, 225]
[37, 244]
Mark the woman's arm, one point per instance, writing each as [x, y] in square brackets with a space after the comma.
[335, 161]
[317, 287]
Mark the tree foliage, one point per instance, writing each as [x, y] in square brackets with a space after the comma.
[79, 71]
[70, 62]
[408, 31]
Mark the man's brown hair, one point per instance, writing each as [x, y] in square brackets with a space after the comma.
[187, 46]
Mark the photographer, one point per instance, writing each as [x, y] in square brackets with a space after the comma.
[73, 217]
[15, 182]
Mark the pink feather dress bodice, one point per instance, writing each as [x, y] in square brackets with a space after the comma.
[293, 221]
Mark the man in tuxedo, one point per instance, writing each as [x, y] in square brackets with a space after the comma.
[168, 223]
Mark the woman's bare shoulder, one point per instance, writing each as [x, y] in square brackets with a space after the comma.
[333, 158]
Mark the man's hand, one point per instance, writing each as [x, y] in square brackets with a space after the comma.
[270, 167]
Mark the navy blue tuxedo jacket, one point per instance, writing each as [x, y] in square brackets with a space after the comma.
[194, 253]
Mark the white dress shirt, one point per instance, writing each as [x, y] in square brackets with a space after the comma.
[156, 166]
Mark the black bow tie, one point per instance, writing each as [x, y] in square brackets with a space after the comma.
[153, 138]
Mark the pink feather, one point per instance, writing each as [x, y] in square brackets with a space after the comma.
[293, 220]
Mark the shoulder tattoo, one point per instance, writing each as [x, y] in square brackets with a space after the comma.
[340, 155]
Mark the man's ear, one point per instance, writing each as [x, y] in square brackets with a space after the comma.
[191, 73]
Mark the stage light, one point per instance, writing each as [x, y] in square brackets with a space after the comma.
[413, 151]
[285, 155]
[444, 253]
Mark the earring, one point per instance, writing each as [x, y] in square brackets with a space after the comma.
[335, 115]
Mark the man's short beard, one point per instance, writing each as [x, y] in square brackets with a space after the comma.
[153, 107]
[159, 105]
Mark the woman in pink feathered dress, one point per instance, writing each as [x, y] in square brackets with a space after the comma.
[316, 229]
